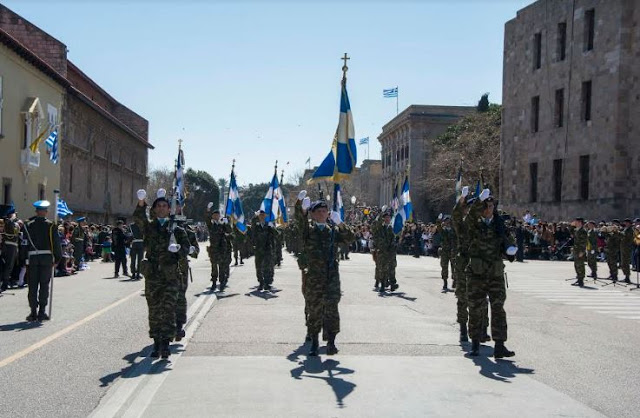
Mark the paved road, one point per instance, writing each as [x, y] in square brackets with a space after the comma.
[399, 353]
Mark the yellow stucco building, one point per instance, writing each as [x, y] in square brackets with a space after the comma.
[32, 96]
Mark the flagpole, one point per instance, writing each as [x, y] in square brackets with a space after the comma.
[226, 204]
[56, 193]
[397, 99]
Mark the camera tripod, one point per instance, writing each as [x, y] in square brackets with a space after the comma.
[637, 287]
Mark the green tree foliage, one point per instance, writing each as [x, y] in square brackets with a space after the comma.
[201, 189]
[483, 104]
[474, 140]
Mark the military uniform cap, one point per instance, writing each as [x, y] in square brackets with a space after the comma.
[81, 219]
[592, 222]
[6, 210]
[580, 219]
[41, 205]
[318, 204]
[158, 200]
[636, 220]
[215, 211]
[627, 219]
[616, 221]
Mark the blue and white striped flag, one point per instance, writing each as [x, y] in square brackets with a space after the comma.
[179, 187]
[52, 144]
[405, 208]
[338, 206]
[392, 92]
[343, 156]
[234, 205]
[63, 209]
[273, 202]
[364, 141]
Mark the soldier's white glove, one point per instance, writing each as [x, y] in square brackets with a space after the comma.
[484, 194]
[593, 251]
[192, 249]
[512, 250]
[225, 221]
[465, 191]
[306, 203]
[161, 193]
[141, 194]
[302, 194]
[271, 224]
[174, 248]
[335, 217]
[440, 217]
[209, 205]
[384, 208]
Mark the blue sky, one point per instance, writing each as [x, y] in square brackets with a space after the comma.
[260, 81]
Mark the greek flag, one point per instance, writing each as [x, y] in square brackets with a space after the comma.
[392, 92]
[234, 205]
[179, 187]
[273, 203]
[364, 141]
[405, 210]
[395, 202]
[338, 206]
[63, 209]
[52, 143]
[342, 158]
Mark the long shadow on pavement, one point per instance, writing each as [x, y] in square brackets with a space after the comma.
[262, 295]
[146, 366]
[20, 326]
[500, 370]
[401, 295]
[327, 371]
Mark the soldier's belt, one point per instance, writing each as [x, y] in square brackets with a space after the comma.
[78, 239]
[40, 252]
[15, 244]
[137, 240]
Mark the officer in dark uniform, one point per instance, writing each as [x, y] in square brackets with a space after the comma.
[78, 239]
[10, 238]
[44, 253]
[137, 250]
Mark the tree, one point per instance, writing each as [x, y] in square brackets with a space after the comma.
[483, 104]
[161, 177]
[252, 197]
[201, 189]
[474, 140]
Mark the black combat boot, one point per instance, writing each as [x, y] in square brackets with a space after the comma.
[313, 351]
[453, 284]
[331, 345]
[394, 287]
[485, 336]
[464, 336]
[164, 350]
[377, 285]
[261, 287]
[444, 286]
[33, 316]
[180, 333]
[156, 348]
[42, 315]
[475, 348]
[241, 262]
[307, 338]
[500, 351]
[627, 280]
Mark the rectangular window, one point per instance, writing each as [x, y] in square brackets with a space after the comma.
[586, 100]
[559, 111]
[6, 191]
[52, 113]
[537, 50]
[41, 192]
[589, 29]
[70, 178]
[557, 180]
[561, 49]
[584, 177]
[533, 174]
[1, 105]
[120, 192]
[535, 114]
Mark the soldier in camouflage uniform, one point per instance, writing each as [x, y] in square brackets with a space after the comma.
[219, 246]
[612, 248]
[488, 240]
[264, 241]
[184, 271]
[580, 242]
[137, 251]
[447, 249]
[592, 249]
[160, 269]
[626, 248]
[238, 242]
[386, 246]
[459, 213]
[319, 261]
[78, 238]
[279, 241]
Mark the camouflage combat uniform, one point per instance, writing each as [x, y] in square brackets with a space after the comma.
[580, 240]
[612, 251]
[219, 250]
[592, 252]
[183, 270]
[238, 242]
[385, 253]
[78, 240]
[447, 252]
[626, 247]
[263, 239]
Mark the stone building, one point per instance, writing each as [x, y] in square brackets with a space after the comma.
[32, 95]
[104, 145]
[406, 141]
[571, 110]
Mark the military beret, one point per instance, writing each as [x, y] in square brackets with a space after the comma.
[6, 210]
[158, 200]
[215, 211]
[318, 204]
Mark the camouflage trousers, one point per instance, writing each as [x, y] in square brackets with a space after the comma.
[386, 268]
[445, 259]
[181, 303]
[478, 288]
[322, 296]
[161, 291]
[625, 261]
[220, 266]
[592, 260]
[612, 261]
[461, 293]
[264, 268]
[578, 264]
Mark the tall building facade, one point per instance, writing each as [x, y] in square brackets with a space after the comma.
[571, 110]
[406, 148]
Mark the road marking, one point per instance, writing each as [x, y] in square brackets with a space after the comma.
[64, 331]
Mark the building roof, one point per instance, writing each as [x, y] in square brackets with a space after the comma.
[444, 113]
[29, 56]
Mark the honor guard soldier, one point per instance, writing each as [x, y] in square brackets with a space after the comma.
[78, 238]
[44, 253]
[447, 250]
[386, 247]
[165, 243]
[319, 261]
[626, 248]
[219, 246]
[592, 248]
[185, 271]
[137, 251]
[264, 241]
[10, 241]
[580, 244]
[612, 248]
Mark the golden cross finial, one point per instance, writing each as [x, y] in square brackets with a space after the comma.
[233, 164]
[276, 167]
[179, 143]
[344, 67]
